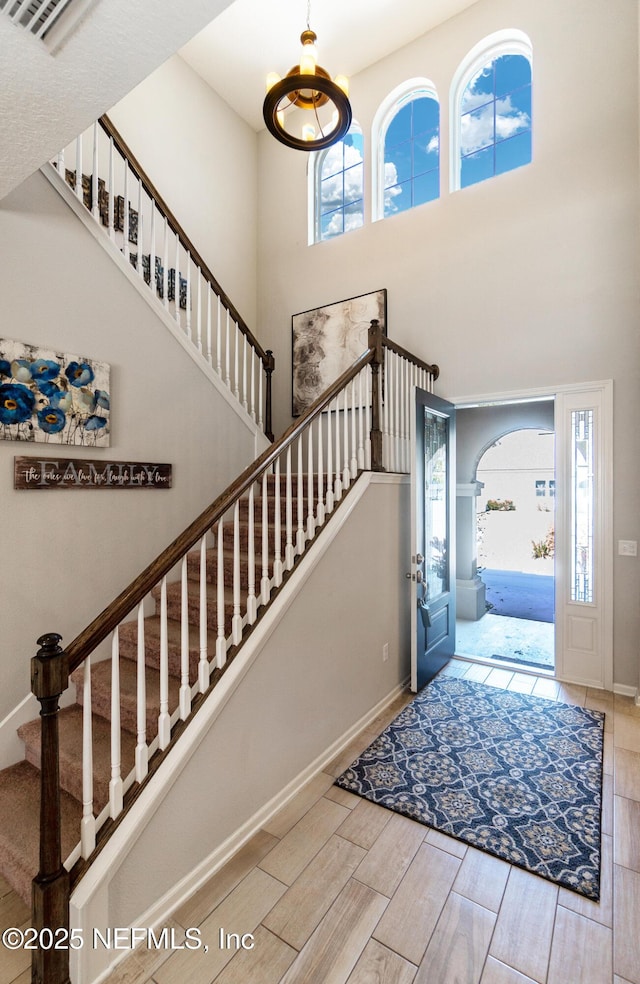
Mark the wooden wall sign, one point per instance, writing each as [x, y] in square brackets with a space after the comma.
[83, 473]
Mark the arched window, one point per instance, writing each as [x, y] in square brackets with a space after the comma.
[491, 109]
[406, 137]
[338, 187]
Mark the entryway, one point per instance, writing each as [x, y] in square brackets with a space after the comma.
[506, 529]
[580, 538]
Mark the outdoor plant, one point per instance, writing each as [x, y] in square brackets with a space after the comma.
[500, 505]
[542, 549]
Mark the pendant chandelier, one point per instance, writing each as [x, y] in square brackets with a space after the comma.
[309, 87]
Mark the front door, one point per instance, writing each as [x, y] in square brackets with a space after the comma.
[432, 574]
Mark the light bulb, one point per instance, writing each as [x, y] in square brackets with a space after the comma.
[343, 83]
[272, 78]
[308, 131]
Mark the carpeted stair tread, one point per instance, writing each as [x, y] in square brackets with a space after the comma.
[101, 693]
[70, 724]
[174, 603]
[19, 826]
[128, 636]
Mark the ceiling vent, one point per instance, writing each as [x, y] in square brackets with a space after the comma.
[40, 16]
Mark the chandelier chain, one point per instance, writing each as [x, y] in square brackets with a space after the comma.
[308, 15]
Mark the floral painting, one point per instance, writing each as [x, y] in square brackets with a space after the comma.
[53, 397]
[327, 340]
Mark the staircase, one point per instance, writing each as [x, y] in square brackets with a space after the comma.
[20, 784]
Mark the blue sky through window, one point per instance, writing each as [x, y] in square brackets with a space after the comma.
[341, 191]
[412, 155]
[495, 120]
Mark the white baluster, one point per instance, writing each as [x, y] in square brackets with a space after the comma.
[78, 187]
[115, 783]
[311, 522]
[95, 211]
[199, 312]
[164, 721]
[252, 602]
[346, 473]
[236, 370]
[227, 354]
[60, 163]
[236, 621]
[140, 226]
[209, 340]
[300, 488]
[185, 689]
[277, 535]
[152, 250]
[260, 396]
[401, 413]
[110, 210]
[142, 751]
[176, 284]
[219, 340]
[384, 410]
[187, 319]
[253, 385]
[125, 212]
[367, 418]
[397, 401]
[165, 266]
[221, 641]
[265, 585]
[88, 823]
[337, 485]
[320, 509]
[361, 383]
[329, 502]
[289, 552]
[203, 627]
[244, 373]
[353, 464]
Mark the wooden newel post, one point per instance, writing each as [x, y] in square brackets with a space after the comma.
[50, 887]
[269, 366]
[375, 342]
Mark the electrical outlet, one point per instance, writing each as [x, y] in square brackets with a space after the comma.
[628, 548]
[385, 652]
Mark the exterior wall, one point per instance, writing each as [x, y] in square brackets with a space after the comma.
[74, 551]
[525, 281]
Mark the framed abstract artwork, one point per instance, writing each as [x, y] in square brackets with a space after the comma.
[327, 340]
[53, 397]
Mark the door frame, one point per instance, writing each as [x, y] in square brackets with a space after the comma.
[601, 393]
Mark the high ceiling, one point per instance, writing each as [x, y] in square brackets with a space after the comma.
[253, 37]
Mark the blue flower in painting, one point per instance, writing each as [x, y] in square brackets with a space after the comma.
[21, 370]
[5, 368]
[102, 399]
[79, 373]
[61, 399]
[45, 369]
[51, 420]
[47, 387]
[16, 403]
[95, 423]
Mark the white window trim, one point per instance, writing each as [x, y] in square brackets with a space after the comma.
[313, 188]
[406, 92]
[505, 42]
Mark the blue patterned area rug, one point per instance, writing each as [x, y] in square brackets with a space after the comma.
[515, 775]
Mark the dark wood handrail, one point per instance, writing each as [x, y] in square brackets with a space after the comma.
[399, 350]
[84, 644]
[125, 151]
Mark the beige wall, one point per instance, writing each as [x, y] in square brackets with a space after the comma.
[202, 158]
[66, 554]
[528, 280]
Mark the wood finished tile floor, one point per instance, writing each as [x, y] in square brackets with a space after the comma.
[337, 890]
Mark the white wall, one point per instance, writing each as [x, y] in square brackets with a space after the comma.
[317, 673]
[527, 280]
[202, 158]
[66, 553]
